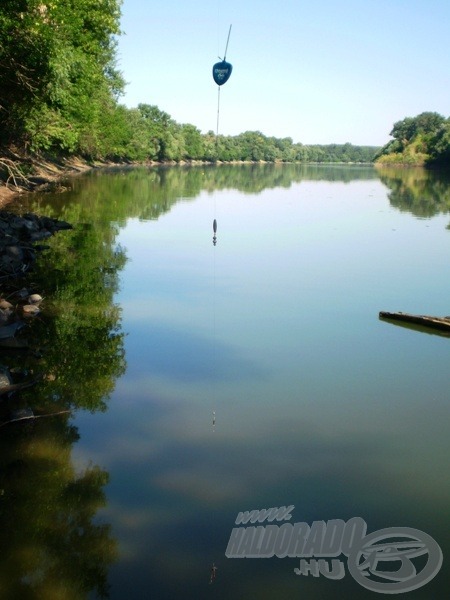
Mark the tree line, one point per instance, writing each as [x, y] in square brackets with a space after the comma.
[60, 95]
[420, 140]
[148, 133]
[61, 88]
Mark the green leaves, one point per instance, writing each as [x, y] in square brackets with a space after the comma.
[420, 140]
[57, 65]
[440, 145]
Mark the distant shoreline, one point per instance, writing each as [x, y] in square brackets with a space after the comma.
[47, 174]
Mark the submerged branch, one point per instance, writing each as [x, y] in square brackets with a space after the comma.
[32, 417]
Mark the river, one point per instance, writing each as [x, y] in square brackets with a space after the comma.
[207, 379]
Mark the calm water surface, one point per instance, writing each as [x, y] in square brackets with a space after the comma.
[207, 380]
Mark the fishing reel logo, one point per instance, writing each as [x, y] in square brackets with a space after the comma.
[388, 561]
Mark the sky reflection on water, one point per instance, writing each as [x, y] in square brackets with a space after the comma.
[318, 403]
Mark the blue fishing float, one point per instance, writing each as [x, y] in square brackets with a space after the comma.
[222, 70]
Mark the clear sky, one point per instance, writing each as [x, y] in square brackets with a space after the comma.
[322, 71]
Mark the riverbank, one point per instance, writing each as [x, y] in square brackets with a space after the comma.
[35, 174]
[20, 174]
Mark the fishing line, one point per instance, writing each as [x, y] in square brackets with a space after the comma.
[218, 115]
[214, 323]
[226, 47]
[221, 74]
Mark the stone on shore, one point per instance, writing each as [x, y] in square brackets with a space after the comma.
[18, 234]
[17, 237]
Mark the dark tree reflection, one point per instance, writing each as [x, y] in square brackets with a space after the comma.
[422, 192]
[50, 546]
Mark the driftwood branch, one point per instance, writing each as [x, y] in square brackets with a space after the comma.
[439, 323]
[32, 417]
[13, 172]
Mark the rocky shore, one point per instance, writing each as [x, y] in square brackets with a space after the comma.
[18, 241]
[21, 240]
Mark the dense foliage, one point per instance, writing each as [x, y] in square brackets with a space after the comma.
[151, 134]
[59, 82]
[60, 91]
[421, 140]
[60, 88]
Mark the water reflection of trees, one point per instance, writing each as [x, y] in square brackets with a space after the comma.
[149, 192]
[258, 177]
[51, 547]
[79, 332]
[422, 192]
[50, 543]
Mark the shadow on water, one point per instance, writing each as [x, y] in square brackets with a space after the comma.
[415, 327]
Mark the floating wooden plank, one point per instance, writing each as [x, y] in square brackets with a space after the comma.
[439, 323]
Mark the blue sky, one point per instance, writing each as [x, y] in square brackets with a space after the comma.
[322, 71]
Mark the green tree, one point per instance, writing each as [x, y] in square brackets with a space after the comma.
[160, 129]
[193, 142]
[440, 145]
[57, 60]
[414, 140]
